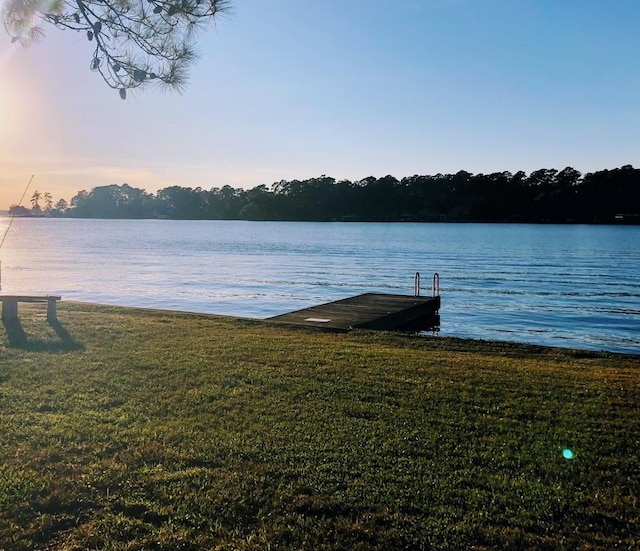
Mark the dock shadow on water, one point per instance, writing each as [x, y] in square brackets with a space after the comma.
[53, 339]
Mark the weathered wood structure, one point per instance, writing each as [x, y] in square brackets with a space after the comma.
[10, 305]
[369, 311]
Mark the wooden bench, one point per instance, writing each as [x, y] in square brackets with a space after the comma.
[10, 305]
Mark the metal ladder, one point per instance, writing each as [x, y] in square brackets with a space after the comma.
[435, 285]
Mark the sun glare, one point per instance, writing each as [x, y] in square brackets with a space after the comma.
[9, 114]
[5, 116]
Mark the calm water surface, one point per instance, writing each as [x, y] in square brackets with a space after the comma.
[575, 286]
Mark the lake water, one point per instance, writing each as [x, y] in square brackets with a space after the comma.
[573, 286]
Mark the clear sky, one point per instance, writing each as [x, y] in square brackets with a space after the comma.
[291, 89]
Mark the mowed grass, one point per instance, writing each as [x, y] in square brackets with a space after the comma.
[127, 429]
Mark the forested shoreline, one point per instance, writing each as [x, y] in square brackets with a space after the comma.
[543, 196]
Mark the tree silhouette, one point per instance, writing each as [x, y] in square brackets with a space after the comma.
[35, 199]
[546, 195]
[61, 206]
[48, 201]
[135, 42]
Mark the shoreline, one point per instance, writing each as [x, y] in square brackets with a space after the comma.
[633, 220]
[555, 285]
[498, 344]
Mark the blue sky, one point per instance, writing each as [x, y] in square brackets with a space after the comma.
[296, 88]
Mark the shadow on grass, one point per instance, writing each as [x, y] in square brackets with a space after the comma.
[18, 338]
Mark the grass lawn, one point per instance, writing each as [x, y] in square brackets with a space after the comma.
[128, 429]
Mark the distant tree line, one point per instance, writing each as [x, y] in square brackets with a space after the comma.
[545, 195]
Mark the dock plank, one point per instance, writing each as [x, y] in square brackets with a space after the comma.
[368, 311]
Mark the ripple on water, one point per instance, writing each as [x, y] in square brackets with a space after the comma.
[573, 286]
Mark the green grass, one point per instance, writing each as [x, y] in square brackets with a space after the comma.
[131, 429]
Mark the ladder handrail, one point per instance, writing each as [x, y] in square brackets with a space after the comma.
[435, 285]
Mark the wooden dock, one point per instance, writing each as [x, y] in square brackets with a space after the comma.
[369, 311]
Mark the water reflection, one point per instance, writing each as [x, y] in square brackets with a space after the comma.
[559, 285]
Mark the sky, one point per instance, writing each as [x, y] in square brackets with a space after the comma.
[294, 89]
